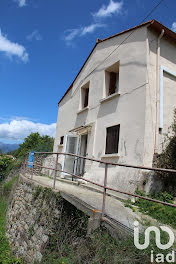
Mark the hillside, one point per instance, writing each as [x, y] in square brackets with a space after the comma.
[8, 147]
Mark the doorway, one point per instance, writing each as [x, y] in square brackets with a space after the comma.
[75, 145]
[82, 152]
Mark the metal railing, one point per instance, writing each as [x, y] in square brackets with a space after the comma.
[104, 186]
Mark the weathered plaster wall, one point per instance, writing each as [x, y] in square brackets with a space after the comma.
[153, 138]
[128, 109]
[136, 109]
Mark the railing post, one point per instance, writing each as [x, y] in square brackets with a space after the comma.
[104, 193]
[55, 172]
[25, 165]
[32, 168]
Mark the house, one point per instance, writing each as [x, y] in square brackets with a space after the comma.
[120, 105]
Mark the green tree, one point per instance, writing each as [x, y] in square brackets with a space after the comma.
[35, 142]
[5, 162]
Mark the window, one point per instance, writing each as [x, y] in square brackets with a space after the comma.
[85, 96]
[112, 139]
[62, 140]
[112, 79]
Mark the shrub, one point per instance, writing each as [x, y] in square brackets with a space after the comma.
[167, 160]
[5, 162]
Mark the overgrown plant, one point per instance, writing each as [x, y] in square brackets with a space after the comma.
[68, 242]
[5, 163]
[164, 214]
[167, 160]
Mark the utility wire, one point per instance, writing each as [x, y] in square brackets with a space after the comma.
[149, 13]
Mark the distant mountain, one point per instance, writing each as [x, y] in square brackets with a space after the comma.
[8, 147]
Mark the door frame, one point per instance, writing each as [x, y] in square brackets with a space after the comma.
[77, 149]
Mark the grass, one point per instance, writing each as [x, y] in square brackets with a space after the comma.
[100, 248]
[68, 243]
[164, 214]
[5, 255]
[7, 187]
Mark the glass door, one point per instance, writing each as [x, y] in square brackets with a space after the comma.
[70, 162]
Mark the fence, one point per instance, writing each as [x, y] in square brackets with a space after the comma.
[38, 167]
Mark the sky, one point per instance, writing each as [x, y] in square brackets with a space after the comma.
[43, 44]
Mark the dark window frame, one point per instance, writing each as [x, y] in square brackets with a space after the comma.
[112, 139]
[86, 97]
[112, 83]
[62, 140]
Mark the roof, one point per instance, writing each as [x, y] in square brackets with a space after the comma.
[152, 23]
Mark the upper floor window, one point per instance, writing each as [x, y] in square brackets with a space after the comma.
[85, 95]
[112, 80]
[62, 140]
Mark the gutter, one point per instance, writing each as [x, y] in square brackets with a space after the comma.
[157, 82]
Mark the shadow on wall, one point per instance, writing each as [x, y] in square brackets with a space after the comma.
[81, 119]
[108, 108]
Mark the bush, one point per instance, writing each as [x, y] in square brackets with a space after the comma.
[5, 162]
[167, 160]
[34, 142]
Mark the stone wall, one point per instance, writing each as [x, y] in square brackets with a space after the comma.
[50, 162]
[32, 214]
[45, 161]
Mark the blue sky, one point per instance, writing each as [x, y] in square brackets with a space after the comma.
[43, 44]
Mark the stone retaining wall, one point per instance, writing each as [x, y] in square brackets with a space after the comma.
[31, 217]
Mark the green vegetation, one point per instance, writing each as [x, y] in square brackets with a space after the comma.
[99, 248]
[5, 255]
[5, 163]
[68, 243]
[167, 159]
[7, 187]
[164, 214]
[35, 142]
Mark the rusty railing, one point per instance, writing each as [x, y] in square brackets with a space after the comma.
[104, 186]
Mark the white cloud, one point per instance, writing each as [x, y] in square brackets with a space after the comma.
[72, 33]
[21, 3]
[11, 118]
[103, 12]
[17, 130]
[173, 26]
[34, 35]
[82, 31]
[91, 28]
[109, 10]
[12, 49]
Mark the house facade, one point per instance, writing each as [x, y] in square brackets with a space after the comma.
[119, 106]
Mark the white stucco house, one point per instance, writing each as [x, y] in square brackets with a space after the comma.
[120, 105]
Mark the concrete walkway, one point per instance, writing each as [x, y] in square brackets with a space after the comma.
[114, 208]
